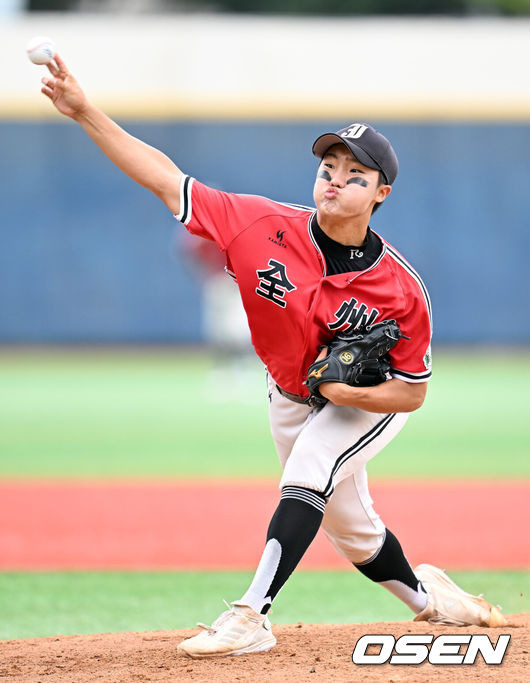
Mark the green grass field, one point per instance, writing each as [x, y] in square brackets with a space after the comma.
[164, 414]
[125, 414]
[47, 604]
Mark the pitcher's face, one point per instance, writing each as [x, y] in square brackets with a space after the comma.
[344, 187]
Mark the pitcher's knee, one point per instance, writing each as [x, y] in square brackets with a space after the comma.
[307, 472]
[357, 548]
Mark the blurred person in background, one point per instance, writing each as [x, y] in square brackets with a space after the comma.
[224, 321]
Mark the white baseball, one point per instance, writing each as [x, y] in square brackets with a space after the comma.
[41, 50]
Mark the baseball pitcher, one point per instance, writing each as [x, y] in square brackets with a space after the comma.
[342, 323]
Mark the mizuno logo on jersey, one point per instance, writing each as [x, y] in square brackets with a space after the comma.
[351, 314]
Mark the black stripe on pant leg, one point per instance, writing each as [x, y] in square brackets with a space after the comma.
[361, 443]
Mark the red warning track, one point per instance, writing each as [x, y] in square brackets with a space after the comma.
[218, 525]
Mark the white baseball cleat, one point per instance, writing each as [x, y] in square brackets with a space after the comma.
[238, 631]
[449, 605]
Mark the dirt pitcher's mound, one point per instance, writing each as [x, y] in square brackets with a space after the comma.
[304, 653]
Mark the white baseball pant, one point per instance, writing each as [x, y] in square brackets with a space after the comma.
[327, 450]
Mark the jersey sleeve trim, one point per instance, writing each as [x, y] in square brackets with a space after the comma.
[231, 273]
[412, 377]
[184, 215]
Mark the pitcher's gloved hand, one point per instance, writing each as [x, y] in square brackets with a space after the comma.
[358, 358]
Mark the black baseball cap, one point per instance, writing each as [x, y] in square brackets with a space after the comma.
[368, 145]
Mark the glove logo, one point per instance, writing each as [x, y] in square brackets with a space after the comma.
[346, 357]
[318, 373]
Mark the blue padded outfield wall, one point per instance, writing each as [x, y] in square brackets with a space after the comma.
[88, 256]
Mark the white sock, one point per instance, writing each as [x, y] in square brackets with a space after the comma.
[416, 600]
[255, 596]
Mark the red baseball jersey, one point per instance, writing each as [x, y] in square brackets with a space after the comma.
[292, 306]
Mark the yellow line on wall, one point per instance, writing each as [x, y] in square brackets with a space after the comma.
[273, 108]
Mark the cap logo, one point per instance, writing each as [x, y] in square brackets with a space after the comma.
[354, 131]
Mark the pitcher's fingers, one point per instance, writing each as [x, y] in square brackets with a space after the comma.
[53, 68]
[47, 91]
[323, 353]
[63, 70]
[48, 82]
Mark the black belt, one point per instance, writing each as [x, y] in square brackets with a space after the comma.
[294, 397]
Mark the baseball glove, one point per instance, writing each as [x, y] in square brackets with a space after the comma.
[359, 359]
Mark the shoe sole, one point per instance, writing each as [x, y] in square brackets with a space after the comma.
[496, 618]
[260, 647]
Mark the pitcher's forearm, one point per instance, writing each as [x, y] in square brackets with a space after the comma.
[393, 396]
[146, 165]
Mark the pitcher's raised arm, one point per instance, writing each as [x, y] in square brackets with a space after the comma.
[146, 165]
